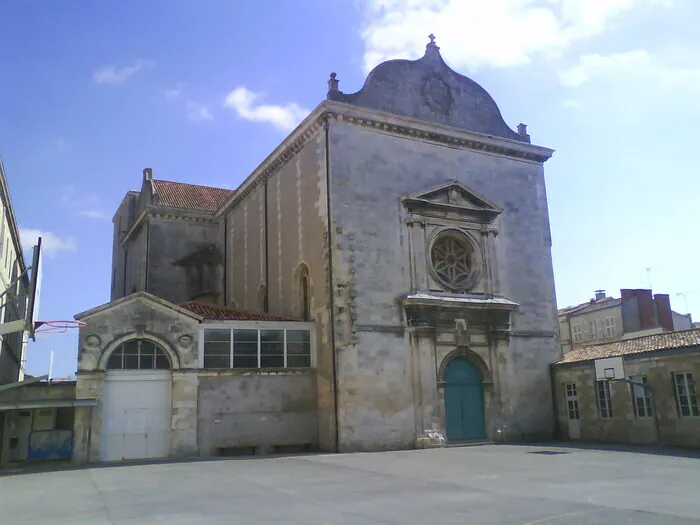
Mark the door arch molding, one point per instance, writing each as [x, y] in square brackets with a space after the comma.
[470, 356]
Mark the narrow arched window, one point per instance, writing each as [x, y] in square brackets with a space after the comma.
[138, 354]
[305, 294]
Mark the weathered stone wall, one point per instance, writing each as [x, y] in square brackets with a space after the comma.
[245, 259]
[137, 317]
[169, 241]
[297, 231]
[121, 224]
[370, 171]
[135, 265]
[256, 409]
[625, 426]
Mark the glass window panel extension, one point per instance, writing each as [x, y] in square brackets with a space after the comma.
[253, 348]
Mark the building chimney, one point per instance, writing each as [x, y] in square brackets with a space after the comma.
[147, 174]
[599, 295]
[626, 293]
[647, 312]
[663, 311]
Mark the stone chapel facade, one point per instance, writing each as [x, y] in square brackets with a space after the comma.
[404, 227]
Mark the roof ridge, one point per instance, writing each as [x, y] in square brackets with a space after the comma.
[195, 185]
[636, 338]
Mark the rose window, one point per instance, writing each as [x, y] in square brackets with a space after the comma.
[451, 256]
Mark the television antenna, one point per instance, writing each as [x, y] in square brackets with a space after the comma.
[685, 297]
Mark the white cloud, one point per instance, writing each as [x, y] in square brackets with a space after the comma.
[283, 116]
[573, 104]
[85, 204]
[173, 94]
[51, 244]
[498, 33]
[116, 75]
[630, 66]
[198, 112]
[95, 214]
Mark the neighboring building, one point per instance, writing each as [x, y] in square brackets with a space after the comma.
[635, 313]
[383, 244]
[616, 411]
[13, 307]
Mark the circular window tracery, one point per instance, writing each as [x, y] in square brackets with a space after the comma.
[451, 256]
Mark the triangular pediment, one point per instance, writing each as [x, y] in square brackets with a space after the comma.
[144, 298]
[453, 195]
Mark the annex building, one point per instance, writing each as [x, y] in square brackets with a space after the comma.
[384, 272]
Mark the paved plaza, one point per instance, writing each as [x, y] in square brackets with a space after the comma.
[489, 484]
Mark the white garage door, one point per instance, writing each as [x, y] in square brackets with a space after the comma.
[136, 415]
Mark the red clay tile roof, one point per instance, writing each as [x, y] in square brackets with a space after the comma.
[189, 196]
[215, 312]
[638, 345]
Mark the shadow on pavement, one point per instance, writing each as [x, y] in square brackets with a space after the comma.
[657, 450]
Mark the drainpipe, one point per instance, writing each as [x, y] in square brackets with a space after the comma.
[225, 259]
[331, 311]
[267, 257]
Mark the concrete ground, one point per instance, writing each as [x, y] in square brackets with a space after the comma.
[490, 484]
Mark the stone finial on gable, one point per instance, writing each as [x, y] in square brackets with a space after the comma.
[432, 46]
[333, 84]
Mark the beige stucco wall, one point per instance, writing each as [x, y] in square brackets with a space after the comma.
[625, 426]
[566, 325]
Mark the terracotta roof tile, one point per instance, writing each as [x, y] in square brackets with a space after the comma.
[638, 345]
[215, 312]
[189, 196]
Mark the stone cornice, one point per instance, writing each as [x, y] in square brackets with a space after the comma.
[162, 212]
[383, 123]
[447, 136]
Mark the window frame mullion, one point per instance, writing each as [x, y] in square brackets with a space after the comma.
[230, 353]
[285, 348]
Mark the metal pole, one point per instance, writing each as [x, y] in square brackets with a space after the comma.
[89, 436]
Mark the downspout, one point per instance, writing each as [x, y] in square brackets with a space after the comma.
[267, 258]
[148, 247]
[331, 310]
[225, 258]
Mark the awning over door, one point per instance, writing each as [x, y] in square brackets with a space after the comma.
[48, 403]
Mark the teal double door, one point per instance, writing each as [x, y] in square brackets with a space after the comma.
[464, 401]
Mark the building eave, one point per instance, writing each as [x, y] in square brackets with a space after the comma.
[459, 301]
[137, 296]
[381, 122]
[168, 212]
[11, 219]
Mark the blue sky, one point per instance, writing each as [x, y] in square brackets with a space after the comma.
[93, 92]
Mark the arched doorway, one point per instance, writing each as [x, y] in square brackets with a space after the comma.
[464, 401]
[136, 405]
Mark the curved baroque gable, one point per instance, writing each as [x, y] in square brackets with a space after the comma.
[428, 89]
